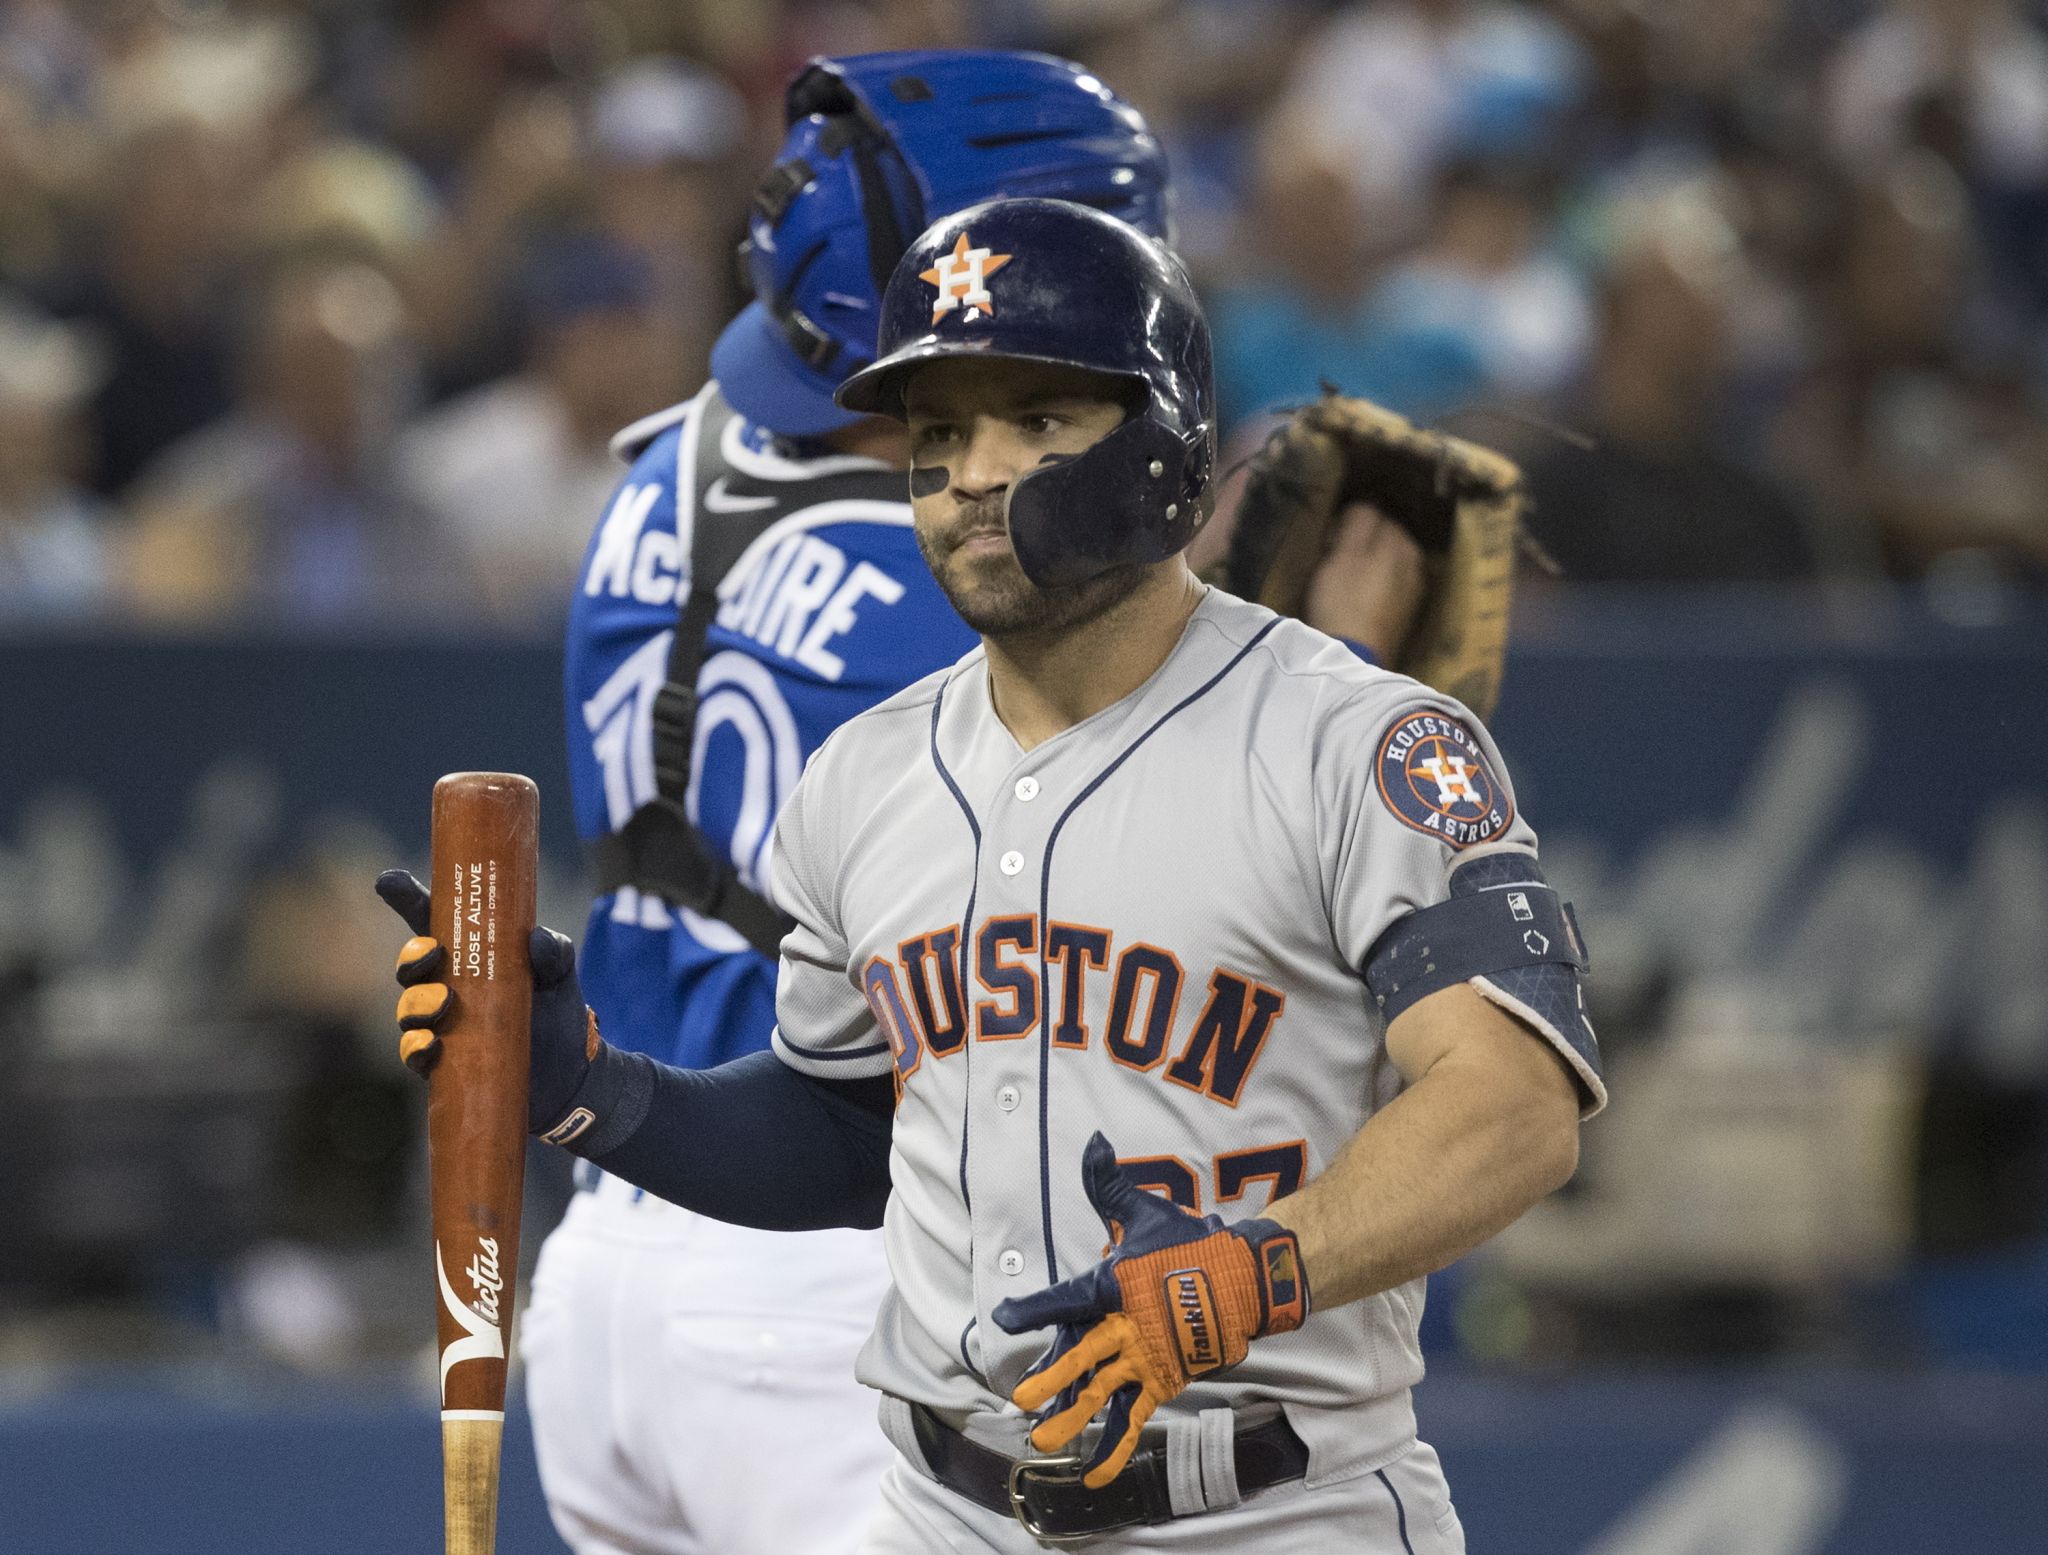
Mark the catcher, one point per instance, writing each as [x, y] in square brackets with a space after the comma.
[1396, 538]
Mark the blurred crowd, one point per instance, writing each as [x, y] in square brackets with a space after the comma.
[324, 310]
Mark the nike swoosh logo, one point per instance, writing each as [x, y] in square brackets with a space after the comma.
[719, 500]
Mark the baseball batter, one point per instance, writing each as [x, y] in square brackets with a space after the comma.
[789, 516]
[1175, 988]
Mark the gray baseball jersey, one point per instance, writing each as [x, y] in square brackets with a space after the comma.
[1151, 924]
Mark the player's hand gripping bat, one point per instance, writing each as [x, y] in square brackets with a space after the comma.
[485, 858]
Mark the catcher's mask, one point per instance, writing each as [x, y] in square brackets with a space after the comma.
[1052, 281]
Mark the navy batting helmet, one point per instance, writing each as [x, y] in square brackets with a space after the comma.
[1051, 281]
[879, 145]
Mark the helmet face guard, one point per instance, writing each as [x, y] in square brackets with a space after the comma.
[1076, 518]
[878, 144]
[1055, 282]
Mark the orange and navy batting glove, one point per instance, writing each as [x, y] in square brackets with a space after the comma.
[1178, 1296]
[564, 1032]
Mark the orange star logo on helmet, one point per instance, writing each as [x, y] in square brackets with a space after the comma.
[962, 279]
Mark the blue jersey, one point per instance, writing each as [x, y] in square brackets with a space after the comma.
[827, 611]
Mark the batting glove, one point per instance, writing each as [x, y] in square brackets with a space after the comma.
[564, 1031]
[1178, 1296]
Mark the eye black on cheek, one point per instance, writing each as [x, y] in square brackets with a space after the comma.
[928, 480]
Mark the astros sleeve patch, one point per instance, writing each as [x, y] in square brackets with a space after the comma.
[1436, 777]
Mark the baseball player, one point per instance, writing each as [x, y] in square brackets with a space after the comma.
[1174, 987]
[754, 583]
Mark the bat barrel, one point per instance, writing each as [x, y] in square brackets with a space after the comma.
[485, 863]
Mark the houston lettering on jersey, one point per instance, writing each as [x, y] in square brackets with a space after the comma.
[936, 992]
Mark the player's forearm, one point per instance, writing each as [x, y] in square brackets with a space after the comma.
[1458, 1156]
[751, 1142]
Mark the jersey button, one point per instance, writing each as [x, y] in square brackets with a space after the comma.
[1012, 862]
[1010, 1261]
[1027, 789]
[1008, 1097]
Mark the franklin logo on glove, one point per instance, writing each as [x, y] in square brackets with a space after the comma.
[1191, 1321]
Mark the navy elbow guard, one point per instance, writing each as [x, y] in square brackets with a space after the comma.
[1504, 931]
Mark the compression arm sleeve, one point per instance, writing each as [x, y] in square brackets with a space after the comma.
[751, 1142]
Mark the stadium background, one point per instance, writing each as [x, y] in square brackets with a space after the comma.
[314, 319]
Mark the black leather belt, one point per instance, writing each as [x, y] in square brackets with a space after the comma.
[1046, 1494]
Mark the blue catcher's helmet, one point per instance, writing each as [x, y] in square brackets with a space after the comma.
[1051, 281]
[878, 146]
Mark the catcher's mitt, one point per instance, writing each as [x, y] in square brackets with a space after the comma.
[1461, 502]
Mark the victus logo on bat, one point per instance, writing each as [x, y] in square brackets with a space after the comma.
[484, 1278]
[483, 1336]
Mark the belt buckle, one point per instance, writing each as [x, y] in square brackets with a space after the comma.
[1062, 1470]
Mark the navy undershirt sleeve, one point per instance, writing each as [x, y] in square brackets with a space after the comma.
[752, 1142]
[1360, 649]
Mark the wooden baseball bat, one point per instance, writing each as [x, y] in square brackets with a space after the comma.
[485, 858]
